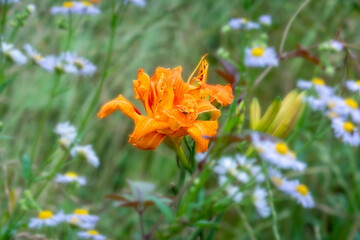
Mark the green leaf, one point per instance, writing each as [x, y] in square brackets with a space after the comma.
[26, 170]
[165, 209]
[5, 84]
[205, 223]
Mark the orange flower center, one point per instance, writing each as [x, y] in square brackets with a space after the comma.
[257, 52]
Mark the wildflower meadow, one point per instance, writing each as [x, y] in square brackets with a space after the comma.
[179, 119]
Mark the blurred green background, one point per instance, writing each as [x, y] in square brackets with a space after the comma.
[170, 33]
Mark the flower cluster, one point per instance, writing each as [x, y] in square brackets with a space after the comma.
[343, 112]
[13, 54]
[67, 62]
[238, 171]
[243, 23]
[80, 218]
[67, 134]
[278, 155]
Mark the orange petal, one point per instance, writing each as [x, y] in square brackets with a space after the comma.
[142, 89]
[201, 129]
[148, 129]
[119, 103]
[177, 83]
[149, 141]
[205, 106]
[222, 94]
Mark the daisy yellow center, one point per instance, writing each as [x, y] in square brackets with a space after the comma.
[349, 127]
[351, 103]
[331, 104]
[81, 211]
[257, 52]
[71, 175]
[244, 20]
[332, 115]
[302, 189]
[281, 148]
[45, 215]
[38, 57]
[86, 3]
[74, 220]
[232, 171]
[93, 232]
[358, 82]
[79, 64]
[260, 149]
[318, 81]
[277, 180]
[68, 4]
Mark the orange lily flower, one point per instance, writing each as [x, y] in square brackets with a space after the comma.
[172, 107]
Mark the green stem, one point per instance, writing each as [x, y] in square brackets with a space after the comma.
[184, 162]
[45, 116]
[2, 28]
[273, 212]
[113, 23]
[70, 33]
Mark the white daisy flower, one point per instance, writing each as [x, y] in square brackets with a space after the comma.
[345, 107]
[82, 218]
[72, 7]
[318, 84]
[78, 65]
[259, 200]
[353, 86]
[228, 165]
[277, 153]
[346, 131]
[260, 57]
[256, 172]
[279, 181]
[66, 132]
[139, 3]
[302, 194]
[33, 54]
[70, 177]
[234, 193]
[242, 23]
[316, 104]
[86, 152]
[46, 218]
[265, 19]
[13, 54]
[31, 8]
[91, 234]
